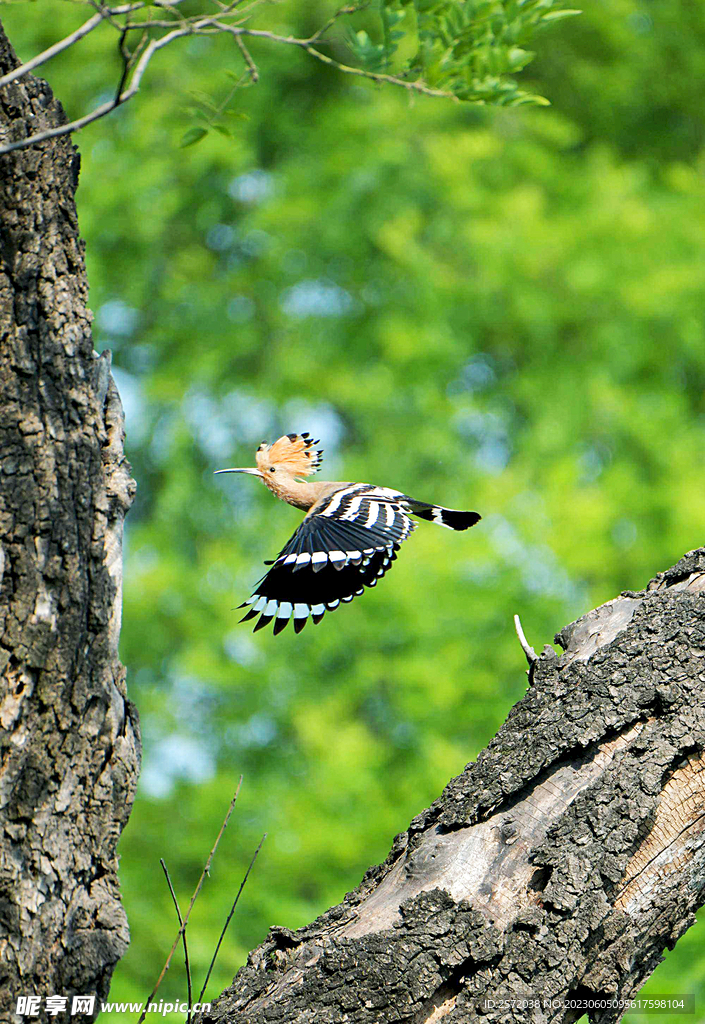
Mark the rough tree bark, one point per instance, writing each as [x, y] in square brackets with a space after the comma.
[558, 866]
[69, 742]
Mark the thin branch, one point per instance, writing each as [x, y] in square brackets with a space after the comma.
[247, 57]
[197, 890]
[46, 55]
[415, 86]
[349, 9]
[65, 129]
[228, 10]
[305, 44]
[103, 13]
[105, 108]
[182, 929]
[531, 655]
[133, 26]
[126, 62]
[232, 911]
[170, 7]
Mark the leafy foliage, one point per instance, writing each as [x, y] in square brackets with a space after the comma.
[496, 309]
[471, 48]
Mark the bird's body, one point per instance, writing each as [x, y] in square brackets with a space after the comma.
[348, 539]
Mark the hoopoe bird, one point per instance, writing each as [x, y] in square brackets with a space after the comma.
[348, 540]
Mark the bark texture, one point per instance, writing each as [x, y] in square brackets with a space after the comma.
[558, 866]
[69, 741]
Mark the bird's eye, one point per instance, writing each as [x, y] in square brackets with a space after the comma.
[272, 469]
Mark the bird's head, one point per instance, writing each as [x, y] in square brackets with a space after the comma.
[291, 456]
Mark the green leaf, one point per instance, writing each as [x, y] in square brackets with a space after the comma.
[202, 99]
[525, 99]
[518, 58]
[192, 136]
[559, 15]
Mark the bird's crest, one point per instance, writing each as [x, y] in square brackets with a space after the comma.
[293, 452]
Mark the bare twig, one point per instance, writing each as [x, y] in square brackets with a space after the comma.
[306, 44]
[349, 9]
[103, 14]
[247, 57]
[531, 655]
[410, 86]
[182, 929]
[46, 55]
[105, 108]
[170, 6]
[229, 917]
[126, 62]
[228, 10]
[201, 880]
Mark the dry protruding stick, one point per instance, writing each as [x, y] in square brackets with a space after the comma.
[531, 655]
[197, 890]
[183, 936]
[229, 917]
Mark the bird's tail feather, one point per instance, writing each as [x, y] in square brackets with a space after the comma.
[453, 518]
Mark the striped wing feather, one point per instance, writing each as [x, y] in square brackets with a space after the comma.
[344, 544]
[347, 544]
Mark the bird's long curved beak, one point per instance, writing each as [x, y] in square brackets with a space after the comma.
[252, 472]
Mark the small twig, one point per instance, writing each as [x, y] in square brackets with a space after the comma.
[410, 86]
[232, 911]
[182, 929]
[247, 57]
[126, 62]
[224, 11]
[46, 55]
[170, 7]
[305, 44]
[102, 14]
[531, 655]
[349, 9]
[106, 108]
[227, 99]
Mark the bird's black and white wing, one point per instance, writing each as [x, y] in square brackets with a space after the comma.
[347, 544]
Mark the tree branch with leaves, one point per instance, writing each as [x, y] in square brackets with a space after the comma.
[450, 49]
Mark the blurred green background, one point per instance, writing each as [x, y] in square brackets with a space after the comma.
[496, 309]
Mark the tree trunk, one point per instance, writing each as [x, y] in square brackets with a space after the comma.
[69, 738]
[557, 867]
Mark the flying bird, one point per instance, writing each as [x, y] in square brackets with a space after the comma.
[349, 537]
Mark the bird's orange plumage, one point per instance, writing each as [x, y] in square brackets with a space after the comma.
[292, 452]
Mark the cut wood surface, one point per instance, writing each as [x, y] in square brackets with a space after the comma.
[549, 877]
